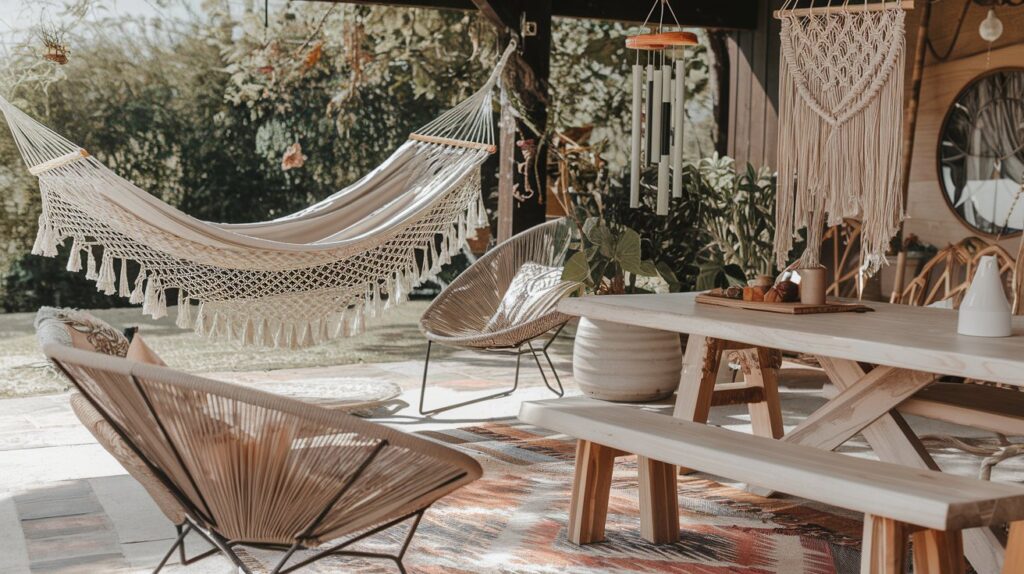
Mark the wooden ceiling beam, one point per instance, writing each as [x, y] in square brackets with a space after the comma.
[734, 14]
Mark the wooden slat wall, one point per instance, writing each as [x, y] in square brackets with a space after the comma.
[754, 89]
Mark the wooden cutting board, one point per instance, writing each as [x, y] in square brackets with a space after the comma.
[787, 308]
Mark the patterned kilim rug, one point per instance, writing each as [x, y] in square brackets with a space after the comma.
[514, 519]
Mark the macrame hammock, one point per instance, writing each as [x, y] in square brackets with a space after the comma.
[840, 126]
[295, 281]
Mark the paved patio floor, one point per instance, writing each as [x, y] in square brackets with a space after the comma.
[67, 506]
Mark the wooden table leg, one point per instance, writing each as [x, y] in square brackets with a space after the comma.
[857, 406]
[893, 441]
[938, 552]
[761, 369]
[883, 546]
[591, 490]
[659, 501]
[697, 383]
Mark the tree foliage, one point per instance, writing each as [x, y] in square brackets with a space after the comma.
[199, 105]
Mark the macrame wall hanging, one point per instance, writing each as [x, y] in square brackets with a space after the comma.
[840, 125]
[659, 100]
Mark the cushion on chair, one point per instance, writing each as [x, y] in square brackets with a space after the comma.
[115, 445]
[81, 330]
[140, 352]
[534, 292]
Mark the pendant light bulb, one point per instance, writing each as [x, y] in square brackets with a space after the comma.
[991, 27]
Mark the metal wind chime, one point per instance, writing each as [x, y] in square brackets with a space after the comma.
[659, 105]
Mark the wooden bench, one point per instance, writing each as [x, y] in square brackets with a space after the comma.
[897, 501]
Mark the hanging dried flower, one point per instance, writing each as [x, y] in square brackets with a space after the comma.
[53, 39]
[293, 157]
[313, 56]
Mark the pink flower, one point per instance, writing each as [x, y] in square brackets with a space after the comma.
[293, 157]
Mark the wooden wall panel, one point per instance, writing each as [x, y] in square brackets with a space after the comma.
[754, 90]
[929, 216]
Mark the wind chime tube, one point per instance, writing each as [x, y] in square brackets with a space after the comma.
[649, 118]
[665, 139]
[678, 115]
[634, 171]
[654, 151]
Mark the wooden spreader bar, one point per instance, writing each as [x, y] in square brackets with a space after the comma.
[58, 161]
[489, 148]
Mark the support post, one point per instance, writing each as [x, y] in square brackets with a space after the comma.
[522, 188]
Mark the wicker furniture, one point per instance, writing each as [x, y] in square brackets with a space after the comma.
[459, 316]
[242, 467]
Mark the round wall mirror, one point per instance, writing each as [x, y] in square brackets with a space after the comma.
[981, 153]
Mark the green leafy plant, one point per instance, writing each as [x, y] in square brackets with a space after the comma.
[605, 254]
[738, 219]
[608, 255]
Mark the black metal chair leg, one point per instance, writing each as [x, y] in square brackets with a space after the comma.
[178, 543]
[431, 412]
[560, 391]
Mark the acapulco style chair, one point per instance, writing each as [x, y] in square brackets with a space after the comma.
[250, 468]
[458, 317]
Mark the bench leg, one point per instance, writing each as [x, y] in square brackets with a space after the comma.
[938, 552]
[882, 550]
[761, 369]
[1014, 549]
[591, 490]
[659, 501]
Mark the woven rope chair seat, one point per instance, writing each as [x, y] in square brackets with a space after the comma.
[257, 468]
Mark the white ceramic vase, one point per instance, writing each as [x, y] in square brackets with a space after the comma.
[624, 363]
[985, 312]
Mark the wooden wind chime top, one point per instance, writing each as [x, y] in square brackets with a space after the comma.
[661, 41]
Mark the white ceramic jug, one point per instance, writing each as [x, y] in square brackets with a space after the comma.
[985, 312]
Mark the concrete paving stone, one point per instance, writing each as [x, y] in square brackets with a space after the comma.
[136, 518]
[13, 552]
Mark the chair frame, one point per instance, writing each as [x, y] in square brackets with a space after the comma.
[197, 520]
[526, 348]
[457, 316]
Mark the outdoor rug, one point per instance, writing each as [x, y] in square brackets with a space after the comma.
[514, 519]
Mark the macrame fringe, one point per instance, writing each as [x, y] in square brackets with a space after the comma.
[90, 266]
[844, 161]
[105, 281]
[75, 259]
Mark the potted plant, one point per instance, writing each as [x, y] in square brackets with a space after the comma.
[612, 361]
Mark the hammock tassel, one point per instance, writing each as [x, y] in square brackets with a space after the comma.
[90, 266]
[105, 280]
[124, 288]
[75, 259]
[46, 239]
[184, 319]
[160, 305]
[137, 295]
[248, 331]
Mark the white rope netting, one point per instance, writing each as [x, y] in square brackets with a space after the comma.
[295, 281]
[840, 127]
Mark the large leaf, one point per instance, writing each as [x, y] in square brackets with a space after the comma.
[627, 252]
[602, 237]
[669, 276]
[577, 268]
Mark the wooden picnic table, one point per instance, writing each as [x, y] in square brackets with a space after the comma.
[909, 346]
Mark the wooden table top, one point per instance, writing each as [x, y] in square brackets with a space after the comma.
[918, 338]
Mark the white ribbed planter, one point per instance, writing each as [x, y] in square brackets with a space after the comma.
[623, 363]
